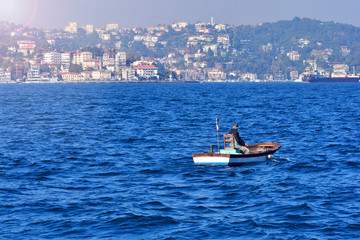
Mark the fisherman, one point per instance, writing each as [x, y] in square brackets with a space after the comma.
[239, 143]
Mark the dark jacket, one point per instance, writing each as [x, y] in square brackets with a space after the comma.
[237, 137]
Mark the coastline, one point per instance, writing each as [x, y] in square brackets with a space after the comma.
[151, 81]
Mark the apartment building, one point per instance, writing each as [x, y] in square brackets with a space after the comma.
[112, 26]
[71, 77]
[51, 58]
[66, 58]
[179, 26]
[101, 75]
[26, 47]
[91, 63]
[89, 28]
[128, 74]
[72, 27]
[79, 58]
[146, 71]
[216, 74]
[120, 60]
[293, 55]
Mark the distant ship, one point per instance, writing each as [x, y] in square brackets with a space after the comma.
[342, 77]
[318, 78]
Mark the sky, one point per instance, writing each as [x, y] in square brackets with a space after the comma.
[56, 14]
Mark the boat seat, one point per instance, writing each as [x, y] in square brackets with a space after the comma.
[229, 141]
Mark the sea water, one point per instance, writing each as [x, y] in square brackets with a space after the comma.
[113, 161]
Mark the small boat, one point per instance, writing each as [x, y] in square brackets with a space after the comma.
[230, 156]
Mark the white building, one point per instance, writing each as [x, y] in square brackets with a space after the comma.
[79, 58]
[212, 47]
[147, 71]
[89, 28]
[112, 26]
[71, 77]
[2, 75]
[340, 70]
[220, 27]
[66, 58]
[34, 71]
[51, 58]
[128, 74]
[294, 75]
[91, 63]
[101, 75]
[216, 74]
[120, 60]
[72, 27]
[179, 26]
[251, 77]
[293, 55]
[224, 40]
[26, 47]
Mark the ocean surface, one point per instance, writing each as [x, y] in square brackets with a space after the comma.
[113, 161]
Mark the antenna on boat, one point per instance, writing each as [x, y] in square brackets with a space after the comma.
[217, 133]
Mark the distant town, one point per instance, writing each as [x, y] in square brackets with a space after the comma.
[181, 52]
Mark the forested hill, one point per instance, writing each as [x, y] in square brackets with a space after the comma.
[302, 35]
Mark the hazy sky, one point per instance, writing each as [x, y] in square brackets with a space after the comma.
[135, 13]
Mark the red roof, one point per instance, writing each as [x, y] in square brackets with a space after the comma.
[145, 66]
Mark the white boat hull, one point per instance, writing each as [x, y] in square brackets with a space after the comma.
[258, 153]
[227, 159]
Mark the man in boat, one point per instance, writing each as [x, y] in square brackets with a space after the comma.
[239, 143]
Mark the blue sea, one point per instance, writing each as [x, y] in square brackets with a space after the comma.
[114, 161]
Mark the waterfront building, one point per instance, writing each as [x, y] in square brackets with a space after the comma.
[33, 72]
[7, 76]
[251, 77]
[340, 70]
[216, 74]
[101, 74]
[2, 75]
[128, 74]
[86, 75]
[294, 75]
[147, 71]
[71, 77]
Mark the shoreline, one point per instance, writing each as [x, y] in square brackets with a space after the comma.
[168, 82]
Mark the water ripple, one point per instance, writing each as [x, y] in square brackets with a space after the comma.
[113, 161]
